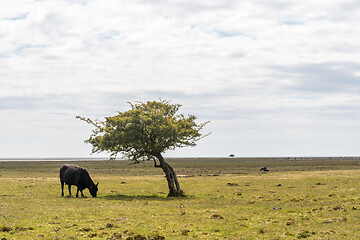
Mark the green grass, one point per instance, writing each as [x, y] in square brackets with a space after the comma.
[313, 199]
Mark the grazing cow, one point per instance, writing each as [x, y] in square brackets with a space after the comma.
[264, 169]
[74, 175]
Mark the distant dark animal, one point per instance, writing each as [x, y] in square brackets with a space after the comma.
[232, 184]
[74, 175]
[231, 155]
[264, 169]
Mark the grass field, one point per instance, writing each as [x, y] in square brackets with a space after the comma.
[226, 198]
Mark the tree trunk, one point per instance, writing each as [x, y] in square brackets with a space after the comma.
[173, 183]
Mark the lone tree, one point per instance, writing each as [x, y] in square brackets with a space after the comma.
[144, 133]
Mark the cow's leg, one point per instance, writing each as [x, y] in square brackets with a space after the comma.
[81, 191]
[69, 190]
[62, 188]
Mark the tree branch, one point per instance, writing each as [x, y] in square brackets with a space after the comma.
[157, 166]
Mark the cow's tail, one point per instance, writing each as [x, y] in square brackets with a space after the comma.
[62, 170]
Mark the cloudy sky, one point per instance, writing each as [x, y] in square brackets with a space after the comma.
[275, 78]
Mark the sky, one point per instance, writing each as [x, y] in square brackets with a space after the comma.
[274, 78]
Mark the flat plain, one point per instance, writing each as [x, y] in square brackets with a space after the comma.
[298, 198]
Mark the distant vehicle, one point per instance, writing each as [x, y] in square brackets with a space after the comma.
[231, 155]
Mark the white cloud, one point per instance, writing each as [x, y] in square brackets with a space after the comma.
[291, 65]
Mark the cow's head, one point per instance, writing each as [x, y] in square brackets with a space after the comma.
[93, 190]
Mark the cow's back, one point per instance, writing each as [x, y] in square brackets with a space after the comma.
[72, 174]
[78, 176]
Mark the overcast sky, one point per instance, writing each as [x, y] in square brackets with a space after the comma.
[275, 78]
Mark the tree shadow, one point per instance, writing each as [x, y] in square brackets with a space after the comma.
[139, 197]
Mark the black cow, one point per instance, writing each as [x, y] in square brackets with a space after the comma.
[264, 169]
[74, 175]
